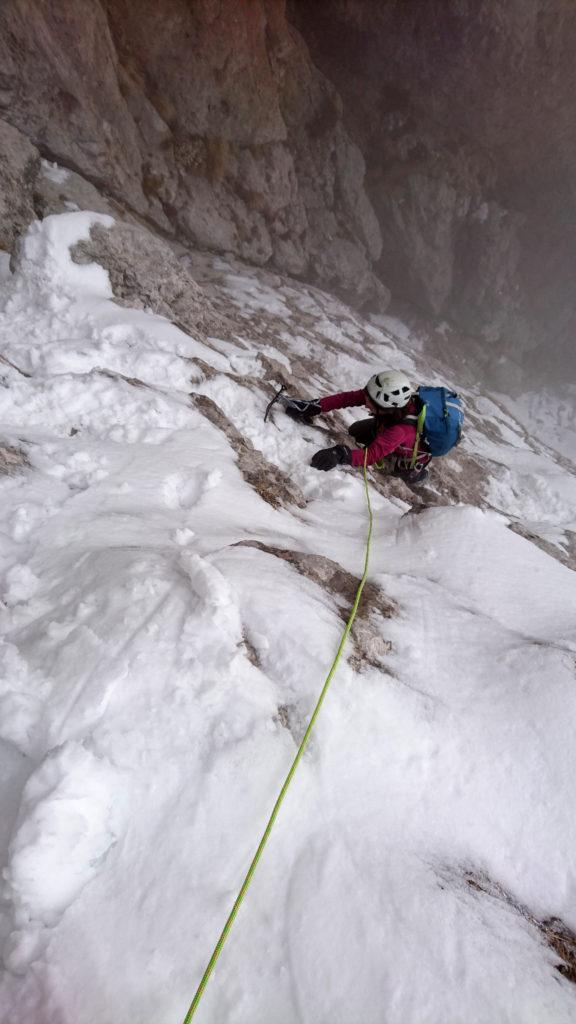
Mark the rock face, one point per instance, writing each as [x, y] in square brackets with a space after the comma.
[426, 148]
[466, 113]
[210, 119]
[19, 163]
[145, 274]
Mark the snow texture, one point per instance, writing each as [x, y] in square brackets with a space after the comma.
[160, 660]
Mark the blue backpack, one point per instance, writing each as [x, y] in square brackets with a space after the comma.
[440, 420]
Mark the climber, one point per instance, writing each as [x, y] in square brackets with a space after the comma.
[388, 434]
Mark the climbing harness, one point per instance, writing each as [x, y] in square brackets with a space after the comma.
[298, 757]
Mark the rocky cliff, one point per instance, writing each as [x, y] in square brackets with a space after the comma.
[420, 149]
[465, 112]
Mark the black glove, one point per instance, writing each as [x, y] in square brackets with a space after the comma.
[301, 410]
[328, 458]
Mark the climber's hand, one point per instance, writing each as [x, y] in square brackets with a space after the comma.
[328, 458]
[301, 410]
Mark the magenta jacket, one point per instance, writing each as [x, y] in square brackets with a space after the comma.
[398, 438]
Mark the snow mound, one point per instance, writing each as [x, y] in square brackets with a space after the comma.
[72, 813]
[45, 261]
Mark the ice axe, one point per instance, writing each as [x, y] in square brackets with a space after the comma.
[278, 397]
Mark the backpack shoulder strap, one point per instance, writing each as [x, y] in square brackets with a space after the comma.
[413, 417]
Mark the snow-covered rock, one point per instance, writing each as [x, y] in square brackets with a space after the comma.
[175, 579]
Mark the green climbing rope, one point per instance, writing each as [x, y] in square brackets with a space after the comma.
[298, 757]
[419, 428]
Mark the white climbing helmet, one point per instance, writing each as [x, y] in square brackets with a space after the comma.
[389, 389]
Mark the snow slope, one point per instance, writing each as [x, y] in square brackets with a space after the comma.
[167, 630]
